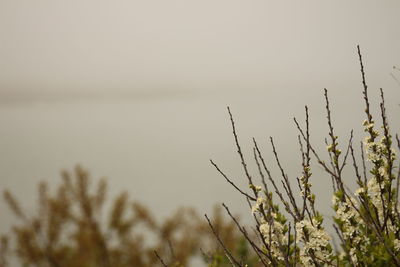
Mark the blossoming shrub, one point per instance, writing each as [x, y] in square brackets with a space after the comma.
[366, 221]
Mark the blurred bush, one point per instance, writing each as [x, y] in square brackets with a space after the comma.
[69, 229]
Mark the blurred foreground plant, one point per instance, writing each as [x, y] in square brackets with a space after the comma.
[366, 221]
[69, 230]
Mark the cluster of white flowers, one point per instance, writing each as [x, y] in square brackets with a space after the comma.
[376, 150]
[374, 193]
[272, 228]
[353, 255]
[345, 210]
[396, 243]
[369, 127]
[315, 242]
[261, 202]
[377, 154]
[273, 235]
[351, 223]
[359, 191]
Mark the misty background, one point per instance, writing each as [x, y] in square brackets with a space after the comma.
[136, 91]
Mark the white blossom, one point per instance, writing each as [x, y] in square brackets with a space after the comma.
[315, 242]
[396, 243]
[274, 236]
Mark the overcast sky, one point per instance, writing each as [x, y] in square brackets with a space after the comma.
[186, 45]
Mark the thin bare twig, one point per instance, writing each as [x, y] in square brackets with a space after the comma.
[256, 249]
[239, 151]
[232, 183]
[160, 259]
[228, 254]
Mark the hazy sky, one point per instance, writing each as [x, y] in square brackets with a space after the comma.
[186, 45]
[136, 90]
